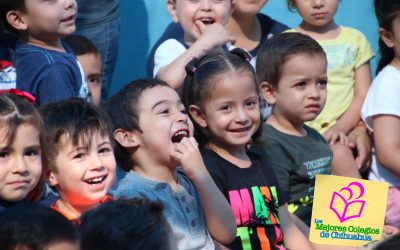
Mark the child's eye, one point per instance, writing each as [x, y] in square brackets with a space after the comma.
[78, 156]
[164, 111]
[323, 82]
[31, 153]
[183, 111]
[225, 108]
[94, 80]
[300, 85]
[105, 150]
[4, 154]
[251, 103]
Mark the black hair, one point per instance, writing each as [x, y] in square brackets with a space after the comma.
[81, 45]
[278, 49]
[123, 110]
[392, 243]
[33, 227]
[200, 81]
[74, 118]
[386, 12]
[125, 224]
[5, 7]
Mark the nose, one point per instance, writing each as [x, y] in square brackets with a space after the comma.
[241, 116]
[20, 166]
[69, 4]
[205, 5]
[182, 117]
[314, 92]
[318, 3]
[97, 163]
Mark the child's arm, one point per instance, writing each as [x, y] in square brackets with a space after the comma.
[212, 36]
[219, 217]
[293, 237]
[351, 117]
[360, 141]
[387, 141]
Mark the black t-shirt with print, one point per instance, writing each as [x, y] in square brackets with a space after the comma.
[254, 196]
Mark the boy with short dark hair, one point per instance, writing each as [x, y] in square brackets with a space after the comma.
[78, 155]
[154, 137]
[292, 73]
[46, 66]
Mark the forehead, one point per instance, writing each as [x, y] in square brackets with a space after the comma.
[234, 84]
[155, 96]
[304, 64]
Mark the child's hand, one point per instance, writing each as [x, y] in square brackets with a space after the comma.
[214, 35]
[332, 136]
[188, 155]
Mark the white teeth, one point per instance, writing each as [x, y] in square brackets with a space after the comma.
[96, 180]
[184, 133]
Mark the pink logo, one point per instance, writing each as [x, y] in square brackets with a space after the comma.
[346, 204]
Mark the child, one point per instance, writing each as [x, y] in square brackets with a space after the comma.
[221, 96]
[126, 224]
[154, 137]
[20, 148]
[203, 24]
[46, 67]
[349, 54]
[381, 110]
[250, 27]
[292, 72]
[78, 155]
[90, 59]
[31, 227]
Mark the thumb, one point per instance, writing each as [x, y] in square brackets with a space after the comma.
[200, 25]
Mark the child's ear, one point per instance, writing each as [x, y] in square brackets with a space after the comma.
[268, 92]
[172, 10]
[127, 139]
[386, 37]
[51, 178]
[16, 20]
[198, 116]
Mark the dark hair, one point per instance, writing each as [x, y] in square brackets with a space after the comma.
[386, 12]
[5, 7]
[392, 243]
[15, 111]
[278, 49]
[125, 224]
[201, 78]
[30, 226]
[81, 45]
[123, 110]
[74, 118]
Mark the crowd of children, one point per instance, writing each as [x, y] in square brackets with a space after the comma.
[221, 147]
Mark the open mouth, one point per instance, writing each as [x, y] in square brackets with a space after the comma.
[96, 180]
[240, 130]
[207, 20]
[179, 135]
[70, 18]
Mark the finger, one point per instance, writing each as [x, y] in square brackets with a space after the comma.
[333, 139]
[200, 25]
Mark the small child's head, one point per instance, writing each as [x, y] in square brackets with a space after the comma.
[90, 59]
[38, 19]
[222, 98]
[149, 120]
[315, 13]
[292, 73]
[247, 8]
[388, 14]
[188, 13]
[20, 146]
[78, 151]
[30, 227]
[126, 224]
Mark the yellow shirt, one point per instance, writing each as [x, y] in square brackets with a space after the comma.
[345, 54]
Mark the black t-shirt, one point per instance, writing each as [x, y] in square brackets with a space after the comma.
[254, 196]
[296, 161]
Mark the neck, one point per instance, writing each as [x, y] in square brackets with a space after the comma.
[286, 126]
[396, 62]
[329, 31]
[235, 155]
[246, 29]
[54, 44]
[159, 173]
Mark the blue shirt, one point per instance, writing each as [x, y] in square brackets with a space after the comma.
[48, 74]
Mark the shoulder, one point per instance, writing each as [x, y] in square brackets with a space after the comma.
[171, 44]
[132, 186]
[313, 133]
[272, 25]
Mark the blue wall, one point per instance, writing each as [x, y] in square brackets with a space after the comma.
[143, 21]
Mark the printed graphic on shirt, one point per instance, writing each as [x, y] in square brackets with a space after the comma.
[256, 211]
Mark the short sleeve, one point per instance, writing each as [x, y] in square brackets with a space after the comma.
[365, 52]
[166, 53]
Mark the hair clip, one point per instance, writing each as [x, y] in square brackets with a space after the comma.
[194, 69]
[20, 93]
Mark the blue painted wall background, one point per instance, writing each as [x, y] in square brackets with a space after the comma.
[143, 21]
